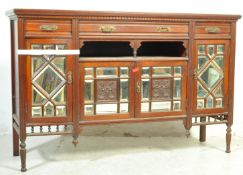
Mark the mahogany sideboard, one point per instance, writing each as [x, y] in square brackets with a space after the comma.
[76, 68]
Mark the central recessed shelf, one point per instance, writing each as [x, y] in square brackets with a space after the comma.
[123, 49]
[159, 48]
[106, 49]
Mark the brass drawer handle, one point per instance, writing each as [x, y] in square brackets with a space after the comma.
[48, 27]
[69, 77]
[195, 74]
[163, 29]
[212, 29]
[138, 87]
[107, 29]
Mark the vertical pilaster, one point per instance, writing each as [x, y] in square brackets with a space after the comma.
[189, 107]
[76, 82]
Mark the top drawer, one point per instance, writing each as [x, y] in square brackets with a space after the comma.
[134, 29]
[48, 28]
[212, 28]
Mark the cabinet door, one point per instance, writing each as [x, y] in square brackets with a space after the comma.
[107, 90]
[160, 88]
[49, 79]
[211, 76]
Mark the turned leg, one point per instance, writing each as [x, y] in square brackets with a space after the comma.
[15, 143]
[23, 155]
[202, 137]
[228, 138]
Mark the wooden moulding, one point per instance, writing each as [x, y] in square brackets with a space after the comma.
[112, 15]
[134, 120]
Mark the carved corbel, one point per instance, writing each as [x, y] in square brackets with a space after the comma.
[135, 45]
[185, 45]
[81, 44]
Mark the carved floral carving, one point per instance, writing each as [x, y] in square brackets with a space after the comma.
[106, 90]
[161, 89]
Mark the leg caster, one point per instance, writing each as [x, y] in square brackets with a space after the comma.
[228, 138]
[15, 143]
[23, 155]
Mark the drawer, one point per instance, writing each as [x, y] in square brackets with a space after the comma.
[47, 28]
[135, 29]
[212, 28]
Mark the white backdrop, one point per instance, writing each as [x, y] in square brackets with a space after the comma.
[175, 6]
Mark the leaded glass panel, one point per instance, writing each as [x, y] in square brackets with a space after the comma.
[210, 76]
[48, 82]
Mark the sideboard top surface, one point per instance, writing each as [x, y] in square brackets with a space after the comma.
[115, 15]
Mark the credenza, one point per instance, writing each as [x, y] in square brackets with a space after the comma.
[76, 68]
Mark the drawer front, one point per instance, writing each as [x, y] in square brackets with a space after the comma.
[47, 28]
[213, 28]
[87, 28]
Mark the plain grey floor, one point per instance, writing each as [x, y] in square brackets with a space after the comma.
[128, 149]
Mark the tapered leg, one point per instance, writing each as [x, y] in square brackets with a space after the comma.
[202, 133]
[202, 137]
[15, 143]
[23, 155]
[228, 138]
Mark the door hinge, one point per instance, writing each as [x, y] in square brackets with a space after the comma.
[69, 77]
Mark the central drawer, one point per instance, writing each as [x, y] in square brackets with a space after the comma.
[134, 29]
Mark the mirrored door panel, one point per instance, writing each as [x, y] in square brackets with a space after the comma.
[106, 90]
[160, 88]
[50, 97]
[211, 64]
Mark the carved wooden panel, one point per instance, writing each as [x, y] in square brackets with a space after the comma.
[161, 89]
[106, 90]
